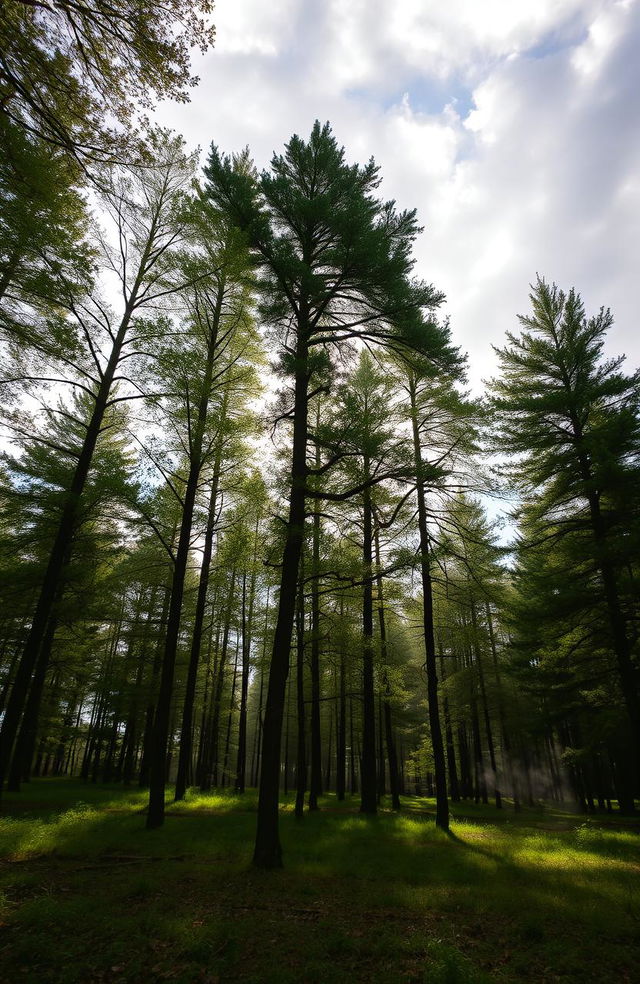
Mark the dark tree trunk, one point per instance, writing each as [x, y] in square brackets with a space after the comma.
[466, 780]
[268, 852]
[368, 793]
[23, 752]
[628, 671]
[341, 739]
[255, 756]
[506, 737]
[143, 778]
[301, 756]
[327, 785]
[60, 551]
[183, 776]
[232, 707]
[247, 630]
[210, 763]
[160, 735]
[451, 753]
[315, 782]
[442, 804]
[485, 707]
[388, 725]
[353, 779]
[480, 783]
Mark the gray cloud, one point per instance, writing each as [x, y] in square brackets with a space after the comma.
[513, 128]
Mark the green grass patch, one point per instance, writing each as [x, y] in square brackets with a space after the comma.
[88, 895]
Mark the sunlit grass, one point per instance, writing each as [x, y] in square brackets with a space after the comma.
[542, 895]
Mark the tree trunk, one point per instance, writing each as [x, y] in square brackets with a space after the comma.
[315, 783]
[26, 740]
[183, 776]
[301, 756]
[60, 551]
[485, 706]
[368, 792]
[247, 630]
[388, 726]
[341, 738]
[157, 773]
[268, 852]
[442, 805]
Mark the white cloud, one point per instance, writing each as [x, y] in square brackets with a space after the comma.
[513, 127]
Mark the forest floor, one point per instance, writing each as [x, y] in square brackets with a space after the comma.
[88, 896]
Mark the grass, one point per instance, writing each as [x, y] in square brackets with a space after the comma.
[87, 895]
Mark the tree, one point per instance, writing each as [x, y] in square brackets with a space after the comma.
[217, 302]
[43, 228]
[367, 440]
[148, 209]
[334, 264]
[570, 419]
[68, 68]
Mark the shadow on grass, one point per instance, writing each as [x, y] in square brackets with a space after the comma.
[368, 899]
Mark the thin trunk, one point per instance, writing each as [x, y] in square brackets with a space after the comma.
[506, 737]
[301, 757]
[183, 776]
[442, 805]
[368, 797]
[160, 737]
[315, 783]
[485, 707]
[61, 549]
[143, 779]
[353, 780]
[388, 726]
[232, 705]
[247, 628]
[210, 765]
[341, 739]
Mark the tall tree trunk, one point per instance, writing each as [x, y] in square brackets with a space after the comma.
[341, 738]
[442, 805]
[183, 776]
[143, 778]
[301, 756]
[368, 792]
[26, 740]
[247, 631]
[353, 779]
[485, 706]
[315, 783]
[506, 737]
[628, 672]
[388, 726]
[160, 737]
[232, 705]
[268, 852]
[211, 763]
[61, 549]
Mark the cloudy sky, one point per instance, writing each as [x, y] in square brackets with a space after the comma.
[513, 126]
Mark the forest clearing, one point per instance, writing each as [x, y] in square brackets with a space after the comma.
[89, 896]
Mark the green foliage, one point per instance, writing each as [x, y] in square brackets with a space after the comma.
[67, 69]
[325, 246]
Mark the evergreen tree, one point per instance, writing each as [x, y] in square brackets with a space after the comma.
[570, 420]
[334, 264]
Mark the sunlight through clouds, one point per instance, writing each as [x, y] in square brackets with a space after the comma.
[513, 128]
